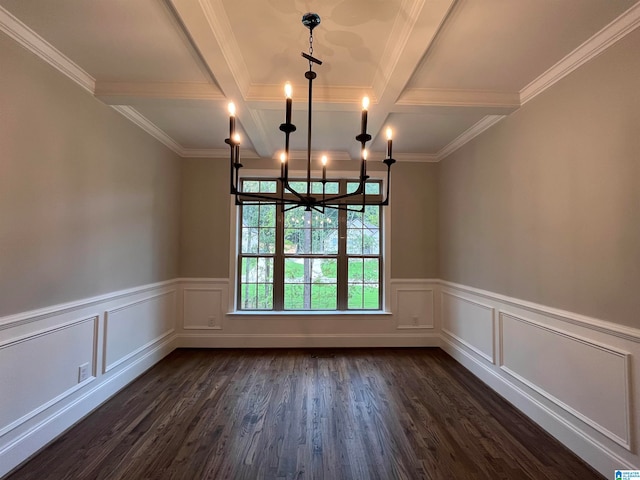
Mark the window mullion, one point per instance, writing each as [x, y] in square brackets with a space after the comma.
[278, 262]
[343, 286]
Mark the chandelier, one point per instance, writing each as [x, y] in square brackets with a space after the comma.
[308, 196]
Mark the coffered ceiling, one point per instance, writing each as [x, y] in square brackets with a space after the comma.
[439, 72]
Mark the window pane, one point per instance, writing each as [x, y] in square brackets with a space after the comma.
[355, 297]
[324, 270]
[256, 289]
[324, 297]
[355, 270]
[267, 240]
[250, 215]
[267, 187]
[251, 186]
[330, 188]
[294, 296]
[267, 216]
[371, 299]
[354, 241]
[294, 269]
[371, 270]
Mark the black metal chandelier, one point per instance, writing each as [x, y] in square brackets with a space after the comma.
[289, 197]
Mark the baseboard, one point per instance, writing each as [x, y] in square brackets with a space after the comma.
[308, 341]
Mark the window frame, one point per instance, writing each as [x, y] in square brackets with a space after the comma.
[384, 256]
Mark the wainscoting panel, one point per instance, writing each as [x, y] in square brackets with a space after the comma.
[202, 308]
[131, 328]
[30, 386]
[409, 322]
[469, 322]
[577, 377]
[413, 306]
[52, 361]
[585, 378]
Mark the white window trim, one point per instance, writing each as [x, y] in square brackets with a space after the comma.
[386, 250]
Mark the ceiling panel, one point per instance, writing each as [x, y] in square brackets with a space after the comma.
[115, 40]
[503, 45]
[170, 64]
[425, 132]
[350, 39]
[193, 124]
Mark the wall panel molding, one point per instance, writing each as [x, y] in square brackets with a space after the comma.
[478, 335]
[413, 304]
[132, 322]
[41, 335]
[577, 377]
[41, 353]
[601, 376]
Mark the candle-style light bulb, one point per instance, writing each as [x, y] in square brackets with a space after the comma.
[236, 142]
[365, 154]
[232, 119]
[365, 106]
[288, 91]
[389, 133]
[389, 142]
[324, 168]
[283, 160]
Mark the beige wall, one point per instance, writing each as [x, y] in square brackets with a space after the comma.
[204, 226]
[205, 218]
[545, 206]
[414, 249]
[89, 203]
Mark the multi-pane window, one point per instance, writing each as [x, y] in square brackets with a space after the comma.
[292, 259]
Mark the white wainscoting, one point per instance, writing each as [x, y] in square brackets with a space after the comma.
[118, 336]
[575, 376]
[206, 320]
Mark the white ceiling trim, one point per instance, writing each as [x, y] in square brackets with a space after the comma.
[217, 18]
[599, 42]
[470, 134]
[33, 42]
[396, 43]
[272, 96]
[459, 98]
[416, 157]
[141, 121]
[302, 155]
[120, 93]
[222, 153]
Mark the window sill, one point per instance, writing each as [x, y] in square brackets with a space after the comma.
[314, 313]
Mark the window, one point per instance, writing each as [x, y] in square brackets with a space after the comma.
[297, 260]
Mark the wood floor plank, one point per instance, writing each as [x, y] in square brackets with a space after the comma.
[306, 414]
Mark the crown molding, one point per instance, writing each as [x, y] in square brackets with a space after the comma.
[37, 45]
[484, 124]
[302, 155]
[443, 97]
[213, 153]
[416, 157]
[599, 42]
[270, 96]
[141, 121]
[120, 93]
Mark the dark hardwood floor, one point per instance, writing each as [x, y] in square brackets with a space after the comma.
[302, 414]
